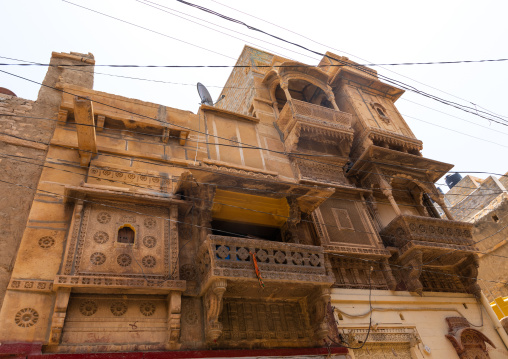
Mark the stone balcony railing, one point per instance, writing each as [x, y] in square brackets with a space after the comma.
[406, 232]
[231, 258]
[313, 115]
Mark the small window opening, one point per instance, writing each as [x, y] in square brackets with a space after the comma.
[465, 305]
[339, 315]
[495, 218]
[401, 316]
[126, 235]
[381, 113]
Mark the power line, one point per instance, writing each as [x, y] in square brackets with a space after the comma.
[358, 67]
[200, 199]
[236, 234]
[430, 123]
[150, 30]
[26, 63]
[331, 47]
[228, 145]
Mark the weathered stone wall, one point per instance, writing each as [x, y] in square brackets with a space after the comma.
[23, 147]
[492, 231]
[476, 203]
[239, 88]
[18, 164]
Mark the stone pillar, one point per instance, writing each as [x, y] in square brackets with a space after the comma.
[59, 313]
[174, 314]
[331, 97]
[389, 195]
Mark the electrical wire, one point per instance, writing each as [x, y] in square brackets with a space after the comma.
[358, 67]
[54, 194]
[239, 207]
[331, 47]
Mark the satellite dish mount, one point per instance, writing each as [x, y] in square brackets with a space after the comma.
[206, 99]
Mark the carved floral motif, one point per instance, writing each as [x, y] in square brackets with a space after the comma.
[26, 317]
[46, 242]
[88, 308]
[118, 308]
[103, 217]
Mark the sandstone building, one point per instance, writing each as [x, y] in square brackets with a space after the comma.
[484, 202]
[296, 213]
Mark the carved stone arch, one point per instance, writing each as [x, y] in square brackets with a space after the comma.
[467, 342]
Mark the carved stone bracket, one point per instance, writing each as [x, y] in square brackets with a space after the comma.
[387, 272]
[59, 313]
[468, 342]
[290, 228]
[213, 308]
[411, 271]
[318, 304]
[468, 270]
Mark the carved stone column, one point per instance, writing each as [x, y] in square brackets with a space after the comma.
[387, 192]
[389, 195]
[412, 269]
[317, 304]
[284, 86]
[213, 309]
[174, 314]
[59, 313]
[331, 97]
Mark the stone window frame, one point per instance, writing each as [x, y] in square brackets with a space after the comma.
[381, 111]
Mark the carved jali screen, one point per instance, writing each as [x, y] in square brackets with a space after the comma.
[268, 323]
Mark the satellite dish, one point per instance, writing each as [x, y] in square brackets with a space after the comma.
[205, 95]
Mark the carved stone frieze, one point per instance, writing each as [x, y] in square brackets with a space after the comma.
[150, 283]
[138, 180]
[31, 285]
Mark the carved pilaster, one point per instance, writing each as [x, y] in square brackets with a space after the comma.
[411, 271]
[174, 315]
[59, 313]
[318, 304]
[213, 308]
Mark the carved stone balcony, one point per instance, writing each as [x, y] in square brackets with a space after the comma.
[406, 232]
[438, 244]
[312, 128]
[231, 258]
[290, 272]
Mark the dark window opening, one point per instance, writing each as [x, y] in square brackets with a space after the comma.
[381, 113]
[495, 218]
[249, 230]
[125, 235]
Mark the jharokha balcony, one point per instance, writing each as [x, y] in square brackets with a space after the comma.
[231, 258]
[304, 124]
[439, 245]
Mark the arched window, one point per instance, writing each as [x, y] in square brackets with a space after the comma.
[126, 235]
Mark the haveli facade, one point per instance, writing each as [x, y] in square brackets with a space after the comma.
[296, 213]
